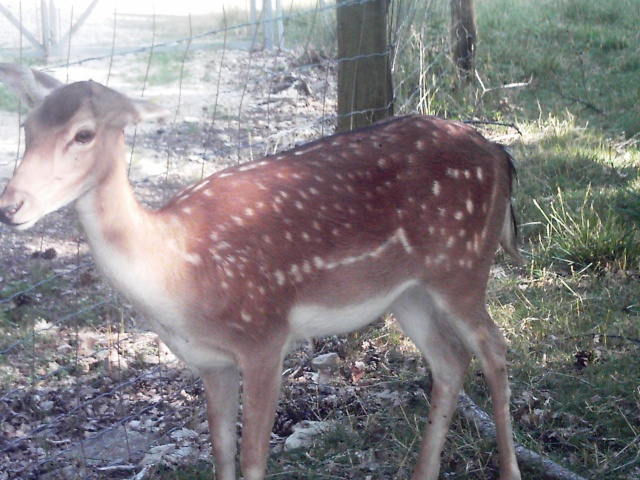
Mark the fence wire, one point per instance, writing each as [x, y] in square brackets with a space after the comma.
[85, 391]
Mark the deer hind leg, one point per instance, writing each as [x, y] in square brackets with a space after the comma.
[488, 344]
[448, 358]
[222, 389]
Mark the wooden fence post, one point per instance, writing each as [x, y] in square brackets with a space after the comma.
[365, 92]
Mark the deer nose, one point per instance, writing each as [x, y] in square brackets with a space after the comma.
[7, 212]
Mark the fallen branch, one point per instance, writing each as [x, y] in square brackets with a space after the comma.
[527, 458]
[584, 103]
[502, 87]
[489, 122]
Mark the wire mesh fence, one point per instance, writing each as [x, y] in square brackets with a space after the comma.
[86, 392]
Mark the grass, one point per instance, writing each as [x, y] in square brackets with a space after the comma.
[578, 56]
[8, 101]
[581, 61]
[581, 238]
[164, 68]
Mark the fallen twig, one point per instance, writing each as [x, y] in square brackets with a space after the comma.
[527, 458]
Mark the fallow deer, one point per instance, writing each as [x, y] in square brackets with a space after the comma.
[404, 216]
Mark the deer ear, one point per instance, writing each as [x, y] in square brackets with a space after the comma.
[30, 86]
[148, 111]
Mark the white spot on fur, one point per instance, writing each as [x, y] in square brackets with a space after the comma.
[279, 276]
[193, 258]
[469, 206]
[436, 188]
[294, 271]
[247, 167]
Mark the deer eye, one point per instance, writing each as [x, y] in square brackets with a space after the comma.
[84, 136]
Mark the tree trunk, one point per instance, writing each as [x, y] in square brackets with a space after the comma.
[463, 36]
[365, 92]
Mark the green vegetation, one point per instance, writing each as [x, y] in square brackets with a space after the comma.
[580, 60]
[164, 67]
[8, 101]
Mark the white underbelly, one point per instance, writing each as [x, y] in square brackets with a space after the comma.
[316, 320]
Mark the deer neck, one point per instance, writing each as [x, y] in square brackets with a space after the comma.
[144, 255]
[138, 249]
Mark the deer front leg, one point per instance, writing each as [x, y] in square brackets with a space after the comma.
[222, 390]
[260, 391]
